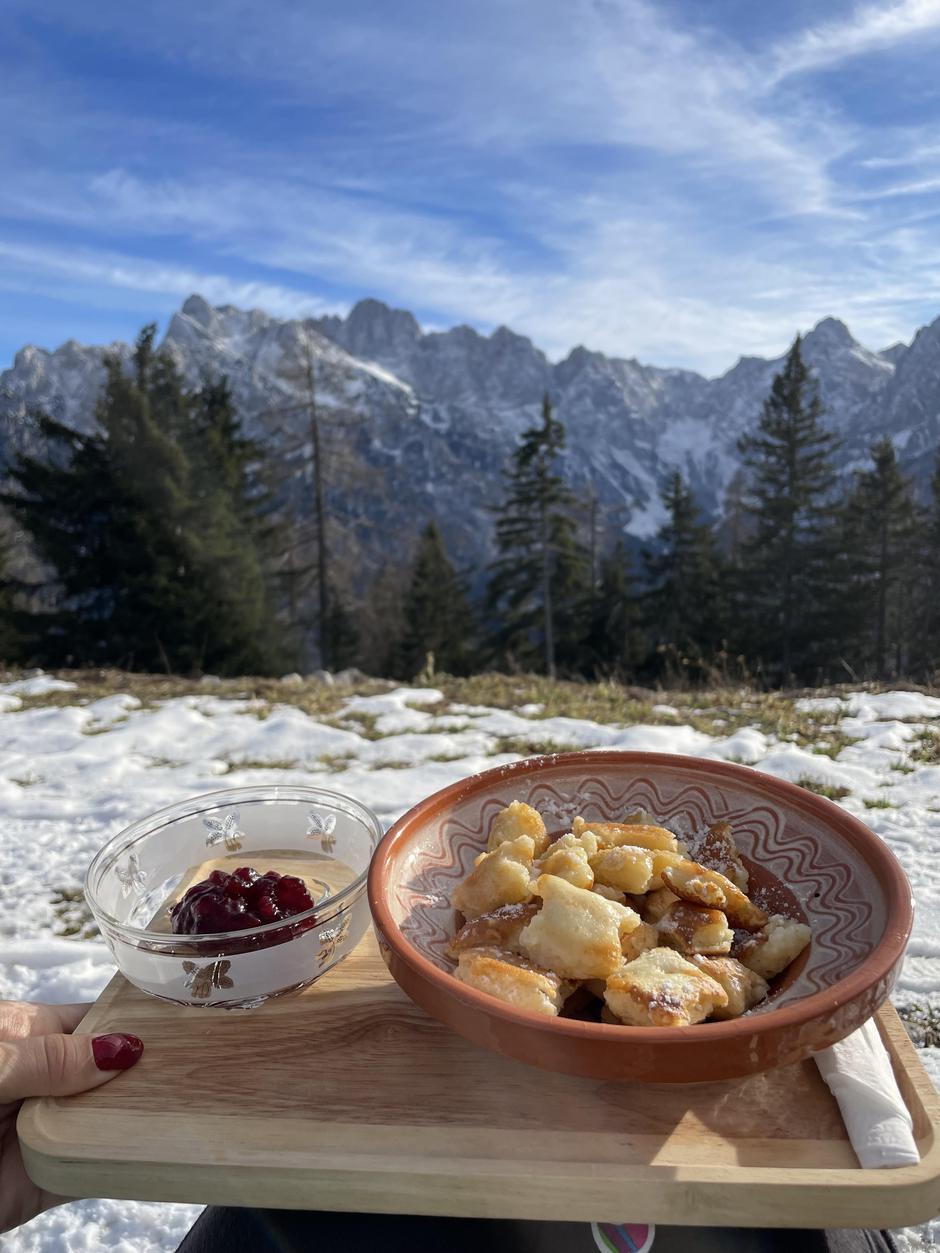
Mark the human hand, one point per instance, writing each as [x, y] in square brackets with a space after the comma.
[39, 1056]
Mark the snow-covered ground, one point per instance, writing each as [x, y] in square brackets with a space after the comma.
[71, 775]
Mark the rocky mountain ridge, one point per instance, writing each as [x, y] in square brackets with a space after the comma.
[421, 424]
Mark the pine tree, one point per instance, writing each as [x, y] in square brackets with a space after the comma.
[786, 561]
[437, 616]
[11, 634]
[229, 537]
[383, 621]
[927, 656]
[103, 512]
[153, 557]
[684, 608]
[154, 605]
[539, 581]
[880, 545]
[341, 632]
[614, 644]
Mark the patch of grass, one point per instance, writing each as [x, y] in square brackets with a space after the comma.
[253, 763]
[27, 780]
[363, 724]
[880, 803]
[528, 746]
[922, 1023]
[447, 757]
[926, 749]
[336, 763]
[313, 696]
[600, 702]
[830, 792]
[903, 767]
[719, 711]
[103, 728]
[73, 918]
[394, 765]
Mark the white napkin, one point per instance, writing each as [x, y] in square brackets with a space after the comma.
[859, 1075]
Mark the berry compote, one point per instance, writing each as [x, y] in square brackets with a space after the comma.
[243, 899]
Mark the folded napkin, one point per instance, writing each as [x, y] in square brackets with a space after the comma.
[859, 1075]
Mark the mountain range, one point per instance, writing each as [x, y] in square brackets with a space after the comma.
[423, 423]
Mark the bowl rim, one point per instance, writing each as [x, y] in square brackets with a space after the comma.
[877, 965]
[287, 792]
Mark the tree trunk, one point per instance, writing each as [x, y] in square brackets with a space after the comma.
[882, 602]
[593, 526]
[547, 595]
[786, 623]
[319, 505]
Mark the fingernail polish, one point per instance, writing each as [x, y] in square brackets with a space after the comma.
[117, 1051]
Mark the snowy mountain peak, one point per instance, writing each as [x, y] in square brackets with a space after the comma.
[832, 339]
[833, 332]
[198, 310]
[893, 353]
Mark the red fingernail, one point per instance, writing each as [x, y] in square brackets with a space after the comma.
[116, 1051]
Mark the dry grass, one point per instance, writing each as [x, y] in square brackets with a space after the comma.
[311, 695]
[830, 792]
[73, 918]
[276, 763]
[718, 711]
[599, 702]
[925, 751]
[335, 763]
[526, 746]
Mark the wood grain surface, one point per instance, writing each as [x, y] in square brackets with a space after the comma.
[346, 1096]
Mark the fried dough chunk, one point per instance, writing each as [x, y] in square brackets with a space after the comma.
[770, 950]
[744, 987]
[512, 979]
[503, 877]
[612, 894]
[638, 941]
[716, 849]
[663, 857]
[655, 904]
[568, 858]
[637, 834]
[499, 929]
[515, 820]
[576, 933]
[694, 929]
[700, 886]
[626, 868]
[660, 988]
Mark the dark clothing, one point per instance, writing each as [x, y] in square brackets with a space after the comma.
[222, 1230]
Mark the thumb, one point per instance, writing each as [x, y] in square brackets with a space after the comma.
[61, 1065]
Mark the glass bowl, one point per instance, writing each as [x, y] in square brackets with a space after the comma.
[323, 837]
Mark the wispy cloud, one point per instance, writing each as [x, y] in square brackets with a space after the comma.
[612, 172]
[868, 28]
[81, 267]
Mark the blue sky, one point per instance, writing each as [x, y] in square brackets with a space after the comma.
[676, 181]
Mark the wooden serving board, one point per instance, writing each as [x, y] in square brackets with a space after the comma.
[348, 1097]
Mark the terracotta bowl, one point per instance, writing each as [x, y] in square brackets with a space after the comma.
[808, 857]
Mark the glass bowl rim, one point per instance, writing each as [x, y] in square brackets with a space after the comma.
[128, 835]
